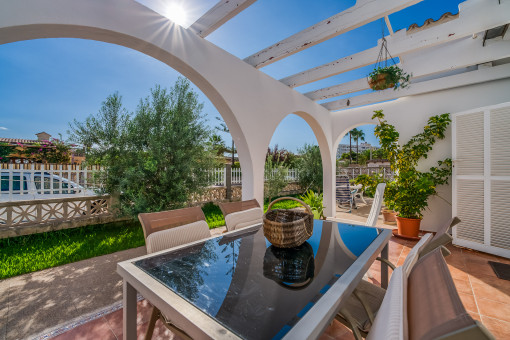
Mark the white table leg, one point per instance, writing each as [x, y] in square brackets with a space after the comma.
[129, 313]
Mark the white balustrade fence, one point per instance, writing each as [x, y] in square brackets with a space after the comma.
[352, 173]
[217, 177]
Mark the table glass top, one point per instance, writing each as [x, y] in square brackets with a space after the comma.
[254, 289]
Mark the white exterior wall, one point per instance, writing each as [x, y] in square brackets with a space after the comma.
[410, 114]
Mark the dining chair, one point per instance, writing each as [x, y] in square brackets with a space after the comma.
[362, 307]
[168, 229]
[425, 305]
[241, 214]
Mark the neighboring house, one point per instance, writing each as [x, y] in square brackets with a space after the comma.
[76, 157]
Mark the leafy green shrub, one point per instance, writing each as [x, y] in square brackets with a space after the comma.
[315, 201]
[309, 166]
[213, 215]
[412, 188]
[276, 178]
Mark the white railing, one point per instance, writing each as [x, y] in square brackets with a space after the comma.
[33, 181]
[236, 176]
[353, 172]
[217, 176]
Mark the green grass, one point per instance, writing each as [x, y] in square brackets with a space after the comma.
[26, 254]
[213, 215]
[288, 204]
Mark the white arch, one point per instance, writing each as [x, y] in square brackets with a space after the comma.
[251, 103]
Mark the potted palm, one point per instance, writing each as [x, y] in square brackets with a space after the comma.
[412, 188]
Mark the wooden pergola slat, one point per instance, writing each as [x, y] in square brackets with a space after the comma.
[456, 55]
[475, 17]
[364, 12]
[222, 12]
[439, 84]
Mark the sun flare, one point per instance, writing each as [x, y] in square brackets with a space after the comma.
[176, 13]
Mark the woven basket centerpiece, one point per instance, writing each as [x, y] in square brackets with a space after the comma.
[288, 228]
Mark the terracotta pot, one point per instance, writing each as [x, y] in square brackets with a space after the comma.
[380, 83]
[409, 227]
[389, 216]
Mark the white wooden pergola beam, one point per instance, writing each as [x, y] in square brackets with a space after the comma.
[222, 12]
[338, 90]
[475, 16]
[364, 12]
[455, 55]
[440, 84]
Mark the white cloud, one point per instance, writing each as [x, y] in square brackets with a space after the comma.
[3, 128]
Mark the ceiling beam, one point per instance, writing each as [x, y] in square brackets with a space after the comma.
[455, 55]
[363, 12]
[222, 12]
[338, 90]
[439, 84]
[475, 16]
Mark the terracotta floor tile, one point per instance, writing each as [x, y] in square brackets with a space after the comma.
[494, 309]
[96, 329]
[492, 291]
[498, 328]
[458, 273]
[463, 286]
[338, 331]
[476, 268]
[475, 316]
[468, 300]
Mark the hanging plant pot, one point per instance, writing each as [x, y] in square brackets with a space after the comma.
[383, 78]
[380, 82]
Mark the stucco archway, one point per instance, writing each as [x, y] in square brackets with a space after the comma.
[327, 164]
[251, 102]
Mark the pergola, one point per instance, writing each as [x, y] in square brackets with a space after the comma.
[459, 62]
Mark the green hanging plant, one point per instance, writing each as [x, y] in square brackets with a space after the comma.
[382, 78]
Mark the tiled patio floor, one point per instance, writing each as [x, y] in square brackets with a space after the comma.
[32, 303]
[485, 296]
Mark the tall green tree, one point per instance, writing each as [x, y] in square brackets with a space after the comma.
[104, 137]
[157, 157]
[357, 135]
[168, 151]
[224, 128]
[309, 166]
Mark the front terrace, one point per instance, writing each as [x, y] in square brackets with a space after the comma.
[459, 65]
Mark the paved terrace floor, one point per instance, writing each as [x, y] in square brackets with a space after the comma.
[82, 300]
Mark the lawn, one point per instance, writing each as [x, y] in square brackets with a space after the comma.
[26, 254]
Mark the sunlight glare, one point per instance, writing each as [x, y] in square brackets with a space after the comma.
[176, 13]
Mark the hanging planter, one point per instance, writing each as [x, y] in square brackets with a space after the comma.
[383, 78]
[386, 76]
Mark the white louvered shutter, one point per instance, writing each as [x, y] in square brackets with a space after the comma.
[481, 179]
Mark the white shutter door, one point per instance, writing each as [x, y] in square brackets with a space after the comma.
[481, 179]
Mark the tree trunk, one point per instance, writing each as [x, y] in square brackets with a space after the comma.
[350, 148]
[233, 151]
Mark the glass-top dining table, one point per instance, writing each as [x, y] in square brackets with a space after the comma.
[238, 285]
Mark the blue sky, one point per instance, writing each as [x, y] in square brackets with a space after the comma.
[44, 84]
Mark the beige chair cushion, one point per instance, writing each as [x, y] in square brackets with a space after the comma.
[389, 322]
[242, 219]
[177, 236]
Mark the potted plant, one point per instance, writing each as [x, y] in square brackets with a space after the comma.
[369, 184]
[412, 188]
[382, 78]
